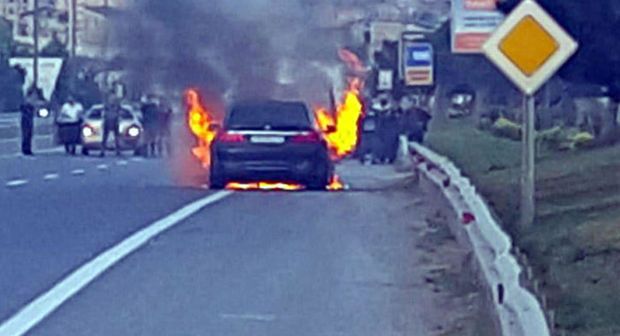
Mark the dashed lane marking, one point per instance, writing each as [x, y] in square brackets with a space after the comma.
[51, 177]
[103, 167]
[16, 183]
[249, 317]
[78, 172]
[122, 163]
[41, 307]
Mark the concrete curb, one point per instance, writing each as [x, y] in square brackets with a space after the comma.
[518, 310]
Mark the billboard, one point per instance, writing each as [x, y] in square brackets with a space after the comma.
[473, 22]
[418, 63]
[49, 70]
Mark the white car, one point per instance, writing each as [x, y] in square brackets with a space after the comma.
[130, 130]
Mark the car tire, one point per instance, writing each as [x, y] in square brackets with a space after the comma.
[216, 179]
[85, 151]
[320, 181]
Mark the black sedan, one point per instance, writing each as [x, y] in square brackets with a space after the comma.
[270, 141]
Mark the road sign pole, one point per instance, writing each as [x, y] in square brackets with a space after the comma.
[528, 184]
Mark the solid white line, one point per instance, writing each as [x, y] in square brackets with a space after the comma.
[16, 183]
[51, 177]
[44, 305]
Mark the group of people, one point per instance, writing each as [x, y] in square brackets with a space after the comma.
[156, 120]
[383, 124]
[156, 117]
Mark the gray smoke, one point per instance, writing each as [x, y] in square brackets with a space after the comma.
[247, 48]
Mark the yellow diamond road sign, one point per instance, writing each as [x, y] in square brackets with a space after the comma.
[529, 47]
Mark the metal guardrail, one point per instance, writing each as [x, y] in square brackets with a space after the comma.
[518, 310]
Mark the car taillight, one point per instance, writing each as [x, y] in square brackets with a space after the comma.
[306, 138]
[231, 138]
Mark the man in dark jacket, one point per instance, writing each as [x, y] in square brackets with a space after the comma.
[150, 116]
[111, 121]
[28, 110]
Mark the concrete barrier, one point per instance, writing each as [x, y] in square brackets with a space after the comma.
[10, 134]
[518, 310]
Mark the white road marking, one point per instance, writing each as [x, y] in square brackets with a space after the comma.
[103, 167]
[78, 172]
[249, 317]
[137, 159]
[122, 163]
[16, 183]
[41, 307]
[51, 177]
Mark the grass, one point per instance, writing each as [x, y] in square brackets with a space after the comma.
[574, 245]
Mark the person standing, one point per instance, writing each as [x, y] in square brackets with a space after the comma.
[150, 113]
[69, 122]
[28, 111]
[111, 124]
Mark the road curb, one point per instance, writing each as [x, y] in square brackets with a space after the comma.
[518, 310]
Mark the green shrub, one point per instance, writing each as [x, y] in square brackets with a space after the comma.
[506, 128]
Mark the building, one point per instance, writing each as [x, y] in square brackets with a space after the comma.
[56, 22]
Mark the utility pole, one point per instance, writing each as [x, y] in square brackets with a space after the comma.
[73, 27]
[35, 36]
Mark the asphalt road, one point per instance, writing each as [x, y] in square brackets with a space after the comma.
[344, 263]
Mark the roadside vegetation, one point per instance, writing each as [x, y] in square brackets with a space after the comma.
[574, 245]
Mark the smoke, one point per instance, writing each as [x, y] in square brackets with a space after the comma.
[240, 48]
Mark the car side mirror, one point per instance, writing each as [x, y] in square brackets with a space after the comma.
[330, 129]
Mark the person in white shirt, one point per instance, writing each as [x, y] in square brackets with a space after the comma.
[71, 111]
[69, 122]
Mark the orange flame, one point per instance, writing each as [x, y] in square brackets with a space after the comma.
[345, 139]
[199, 121]
[263, 185]
[335, 185]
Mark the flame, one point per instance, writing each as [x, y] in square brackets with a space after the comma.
[336, 184]
[199, 121]
[346, 120]
[264, 185]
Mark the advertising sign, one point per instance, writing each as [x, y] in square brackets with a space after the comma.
[419, 64]
[49, 70]
[473, 22]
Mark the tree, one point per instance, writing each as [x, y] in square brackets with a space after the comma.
[55, 48]
[6, 39]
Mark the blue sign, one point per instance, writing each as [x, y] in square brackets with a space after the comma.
[418, 64]
[419, 55]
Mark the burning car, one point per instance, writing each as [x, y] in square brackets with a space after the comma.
[270, 141]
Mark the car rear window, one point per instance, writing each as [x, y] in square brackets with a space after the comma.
[97, 113]
[270, 116]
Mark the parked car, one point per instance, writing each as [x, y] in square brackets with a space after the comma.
[130, 130]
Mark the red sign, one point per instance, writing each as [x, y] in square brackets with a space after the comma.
[480, 4]
[470, 42]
